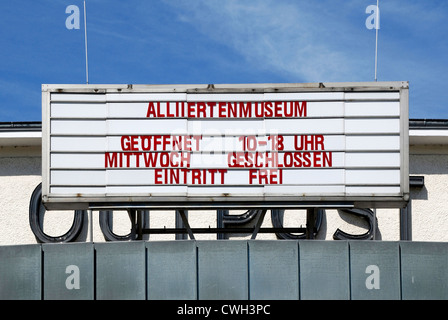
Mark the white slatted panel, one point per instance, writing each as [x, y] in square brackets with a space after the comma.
[78, 190]
[78, 97]
[371, 177]
[373, 160]
[372, 126]
[225, 97]
[304, 96]
[372, 143]
[159, 190]
[375, 96]
[226, 127]
[305, 126]
[79, 144]
[219, 191]
[302, 191]
[340, 145]
[369, 190]
[78, 127]
[79, 110]
[372, 109]
[146, 126]
[78, 177]
[145, 97]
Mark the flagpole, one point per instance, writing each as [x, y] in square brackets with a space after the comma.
[85, 37]
[377, 25]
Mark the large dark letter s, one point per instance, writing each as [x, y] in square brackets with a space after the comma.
[364, 213]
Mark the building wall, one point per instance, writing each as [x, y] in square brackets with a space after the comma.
[429, 210]
[20, 173]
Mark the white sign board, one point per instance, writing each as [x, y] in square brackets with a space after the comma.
[225, 146]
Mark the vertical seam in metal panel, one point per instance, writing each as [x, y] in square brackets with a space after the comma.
[400, 271]
[146, 272]
[248, 270]
[298, 269]
[197, 271]
[94, 272]
[349, 272]
[42, 273]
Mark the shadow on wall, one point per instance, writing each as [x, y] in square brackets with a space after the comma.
[425, 164]
[419, 193]
[20, 166]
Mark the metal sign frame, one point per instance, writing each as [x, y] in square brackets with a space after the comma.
[133, 201]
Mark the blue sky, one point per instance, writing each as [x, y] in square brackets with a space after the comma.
[222, 41]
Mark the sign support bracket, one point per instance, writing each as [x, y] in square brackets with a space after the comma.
[310, 219]
[258, 225]
[186, 224]
[137, 228]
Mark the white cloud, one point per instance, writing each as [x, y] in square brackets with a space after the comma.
[291, 37]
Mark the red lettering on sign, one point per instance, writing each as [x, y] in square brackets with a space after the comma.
[158, 174]
[265, 176]
[300, 109]
[268, 109]
[110, 160]
[222, 109]
[277, 109]
[305, 142]
[189, 176]
[227, 109]
[190, 109]
[168, 111]
[262, 158]
[245, 111]
[202, 110]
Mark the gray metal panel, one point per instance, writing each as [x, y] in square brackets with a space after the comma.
[222, 270]
[60, 281]
[374, 270]
[20, 272]
[171, 270]
[324, 270]
[120, 270]
[274, 270]
[424, 270]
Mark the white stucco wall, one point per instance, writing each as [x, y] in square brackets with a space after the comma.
[429, 205]
[20, 173]
[20, 169]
